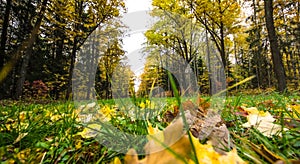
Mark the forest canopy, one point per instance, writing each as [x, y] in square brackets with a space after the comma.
[42, 41]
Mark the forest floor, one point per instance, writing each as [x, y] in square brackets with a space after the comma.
[263, 128]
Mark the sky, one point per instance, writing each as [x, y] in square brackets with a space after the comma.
[137, 19]
[133, 42]
[137, 5]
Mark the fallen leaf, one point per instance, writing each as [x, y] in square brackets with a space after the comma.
[177, 148]
[267, 103]
[265, 153]
[116, 161]
[295, 109]
[262, 121]
[92, 130]
[154, 132]
[206, 154]
[21, 135]
[202, 103]
[169, 116]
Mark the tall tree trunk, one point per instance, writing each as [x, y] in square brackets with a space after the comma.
[223, 51]
[28, 52]
[276, 58]
[78, 10]
[91, 67]
[4, 89]
[25, 58]
[4, 33]
[208, 63]
[23, 71]
[73, 57]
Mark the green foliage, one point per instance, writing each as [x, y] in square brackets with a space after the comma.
[50, 133]
[64, 28]
[251, 143]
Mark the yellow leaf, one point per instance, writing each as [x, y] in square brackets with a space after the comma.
[295, 110]
[21, 135]
[22, 116]
[207, 155]
[90, 131]
[142, 105]
[116, 161]
[180, 151]
[262, 121]
[78, 145]
[55, 118]
[251, 110]
[155, 133]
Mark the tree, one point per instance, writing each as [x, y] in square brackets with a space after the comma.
[87, 21]
[276, 58]
[4, 33]
[259, 62]
[286, 22]
[173, 37]
[220, 18]
[106, 54]
[24, 49]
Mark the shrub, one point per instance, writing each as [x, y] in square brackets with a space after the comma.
[35, 90]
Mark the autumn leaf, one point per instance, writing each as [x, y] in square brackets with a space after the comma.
[295, 109]
[177, 148]
[154, 132]
[203, 104]
[262, 121]
[169, 116]
[21, 135]
[116, 161]
[206, 154]
[90, 131]
[106, 113]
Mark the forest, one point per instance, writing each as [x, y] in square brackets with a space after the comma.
[40, 41]
[62, 59]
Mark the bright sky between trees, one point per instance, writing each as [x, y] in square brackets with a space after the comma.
[132, 44]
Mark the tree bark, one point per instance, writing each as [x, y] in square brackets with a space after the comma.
[276, 58]
[73, 57]
[223, 51]
[23, 72]
[4, 33]
[78, 10]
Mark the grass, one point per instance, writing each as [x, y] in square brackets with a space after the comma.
[257, 147]
[49, 133]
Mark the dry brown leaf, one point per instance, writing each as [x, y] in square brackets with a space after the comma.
[169, 116]
[202, 103]
[267, 104]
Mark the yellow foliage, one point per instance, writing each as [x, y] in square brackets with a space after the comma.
[107, 111]
[147, 104]
[177, 148]
[295, 109]
[78, 144]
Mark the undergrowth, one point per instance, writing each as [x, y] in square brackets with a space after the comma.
[51, 133]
